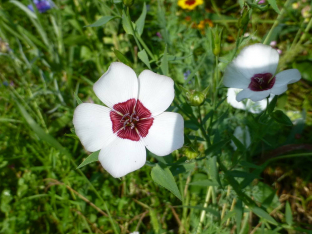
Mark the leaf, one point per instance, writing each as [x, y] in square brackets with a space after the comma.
[102, 21]
[274, 6]
[208, 116]
[191, 125]
[90, 159]
[141, 21]
[263, 214]
[281, 118]
[77, 99]
[42, 135]
[164, 177]
[272, 104]
[164, 63]
[288, 214]
[216, 147]
[238, 144]
[239, 210]
[144, 58]
[204, 183]
[213, 169]
[24, 8]
[126, 24]
[122, 58]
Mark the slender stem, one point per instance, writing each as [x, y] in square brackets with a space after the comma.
[203, 213]
[305, 32]
[133, 31]
[277, 21]
[225, 204]
[145, 46]
[232, 207]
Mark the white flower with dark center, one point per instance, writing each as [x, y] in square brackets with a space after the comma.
[253, 70]
[133, 119]
[250, 106]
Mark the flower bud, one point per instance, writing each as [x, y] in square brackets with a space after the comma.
[216, 41]
[196, 98]
[128, 3]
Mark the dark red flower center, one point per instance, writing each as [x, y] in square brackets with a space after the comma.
[131, 119]
[190, 2]
[261, 82]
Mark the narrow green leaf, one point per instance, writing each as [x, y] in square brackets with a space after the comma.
[239, 210]
[164, 177]
[144, 58]
[40, 132]
[274, 6]
[216, 147]
[122, 58]
[77, 99]
[102, 21]
[281, 118]
[24, 8]
[191, 125]
[90, 159]
[272, 104]
[263, 214]
[288, 214]
[164, 63]
[242, 174]
[238, 144]
[213, 170]
[141, 21]
[204, 183]
[208, 116]
[126, 24]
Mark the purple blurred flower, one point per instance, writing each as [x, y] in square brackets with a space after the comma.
[273, 43]
[158, 34]
[42, 5]
[186, 74]
[261, 2]
[279, 51]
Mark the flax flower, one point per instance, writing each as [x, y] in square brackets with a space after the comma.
[133, 119]
[248, 105]
[254, 71]
[189, 4]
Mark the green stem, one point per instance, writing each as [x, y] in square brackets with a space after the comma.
[277, 21]
[203, 213]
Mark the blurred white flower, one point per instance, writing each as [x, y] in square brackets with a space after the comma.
[134, 233]
[133, 119]
[253, 107]
[253, 70]
[243, 135]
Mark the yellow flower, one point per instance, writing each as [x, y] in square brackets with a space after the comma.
[189, 4]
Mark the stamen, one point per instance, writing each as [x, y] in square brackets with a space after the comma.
[124, 117]
[124, 124]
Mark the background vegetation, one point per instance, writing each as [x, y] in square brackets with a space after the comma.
[49, 58]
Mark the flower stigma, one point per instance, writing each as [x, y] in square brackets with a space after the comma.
[131, 120]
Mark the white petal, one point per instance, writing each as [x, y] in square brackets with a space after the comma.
[156, 92]
[256, 59]
[231, 99]
[166, 134]
[122, 156]
[118, 84]
[235, 78]
[287, 77]
[93, 126]
[277, 90]
[253, 95]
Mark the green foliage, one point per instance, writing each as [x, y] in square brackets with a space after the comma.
[49, 63]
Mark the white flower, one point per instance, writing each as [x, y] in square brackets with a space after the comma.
[243, 136]
[253, 107]
[133, 119]
[253, 70]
